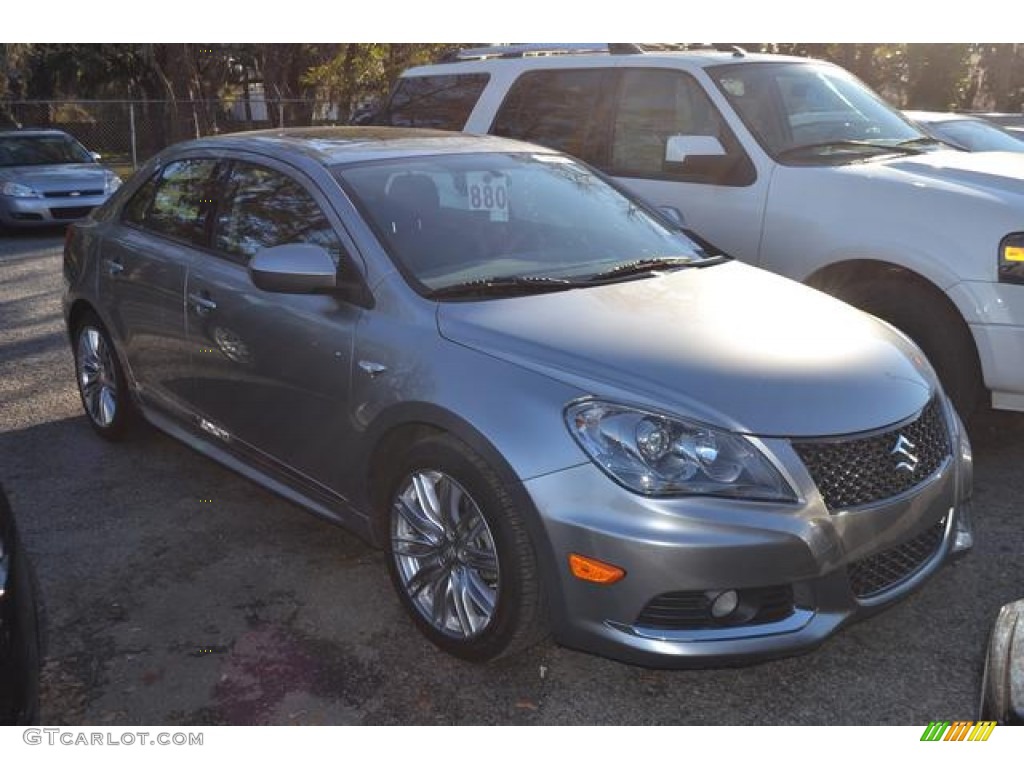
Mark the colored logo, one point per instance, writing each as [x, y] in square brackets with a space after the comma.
[961, 730]
[902, 451]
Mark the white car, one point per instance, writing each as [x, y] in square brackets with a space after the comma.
[967, 132]
[787, 163]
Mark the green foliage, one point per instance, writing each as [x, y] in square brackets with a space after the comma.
[924, 76]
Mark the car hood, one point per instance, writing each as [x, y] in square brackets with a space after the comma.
[727, 344]
[974, 171]
[57, 178]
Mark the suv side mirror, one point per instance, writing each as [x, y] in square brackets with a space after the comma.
[293, 268]
[679, 148]
[705, 159]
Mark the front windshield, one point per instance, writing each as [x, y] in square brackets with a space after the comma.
[977, 136]
[41, 150]
[790, 107]
[457, 218]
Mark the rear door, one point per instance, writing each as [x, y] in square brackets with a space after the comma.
[143, 267]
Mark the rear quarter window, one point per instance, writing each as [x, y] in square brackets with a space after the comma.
[443, 102]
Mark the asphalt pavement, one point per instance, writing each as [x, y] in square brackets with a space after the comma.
[178, 593]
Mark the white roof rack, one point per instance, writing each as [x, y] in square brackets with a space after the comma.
[520, 50]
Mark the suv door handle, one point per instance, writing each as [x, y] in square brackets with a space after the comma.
[114, 267]
[203, 305]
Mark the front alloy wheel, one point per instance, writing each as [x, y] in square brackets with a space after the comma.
[445, 555]
[461, 559]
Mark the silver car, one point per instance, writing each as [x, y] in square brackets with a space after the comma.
[973, 134]
[47, 178]
[557, 411]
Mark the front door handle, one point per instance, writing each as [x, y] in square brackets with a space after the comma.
[114, 267]
[203, 305]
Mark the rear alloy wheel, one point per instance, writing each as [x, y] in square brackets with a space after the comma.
[461, 559]
[101, 382]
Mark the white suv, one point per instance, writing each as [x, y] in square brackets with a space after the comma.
[787, 163]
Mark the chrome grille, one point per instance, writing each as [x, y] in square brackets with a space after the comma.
[856, 471]
[878, 573]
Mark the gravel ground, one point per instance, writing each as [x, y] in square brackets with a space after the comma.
[163, 608]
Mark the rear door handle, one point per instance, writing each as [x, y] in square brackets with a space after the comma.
[203, 305]
[114, 267]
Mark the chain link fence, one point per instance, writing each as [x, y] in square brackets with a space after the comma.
[127, 133]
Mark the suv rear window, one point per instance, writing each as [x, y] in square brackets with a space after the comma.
[436, 101]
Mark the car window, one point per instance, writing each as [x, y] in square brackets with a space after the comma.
[790, 107]
[263, 208]
[137, 207]
[42, 149]
[177, 202]
[977, 136]
[654, 105]
[438, 101]
[567, 110]
[452, 218]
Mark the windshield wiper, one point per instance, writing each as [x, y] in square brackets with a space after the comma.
[644, 266]
[922, 140]
[904, 148]
[511, 285]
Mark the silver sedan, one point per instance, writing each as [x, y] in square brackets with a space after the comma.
[47, 178]
[557, 411]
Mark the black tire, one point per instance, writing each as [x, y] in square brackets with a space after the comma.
[109, 424]
[518, 619]
[935, 326]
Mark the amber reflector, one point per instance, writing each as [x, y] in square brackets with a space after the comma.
[589, 569]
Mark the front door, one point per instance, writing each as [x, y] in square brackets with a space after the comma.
[270, 373]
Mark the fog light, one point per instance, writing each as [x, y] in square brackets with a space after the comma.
[589, 569]
[724, 604]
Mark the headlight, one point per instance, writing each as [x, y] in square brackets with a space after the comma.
[13, 189]
[112, 183]
[1011, 258]
[658, 455]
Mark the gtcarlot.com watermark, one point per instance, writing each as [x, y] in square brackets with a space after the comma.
[77, 738]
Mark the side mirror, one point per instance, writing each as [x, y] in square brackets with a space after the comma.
[293, 268]
[96, 156]
[680, 148]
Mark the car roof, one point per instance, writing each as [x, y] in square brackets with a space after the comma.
[33, 132]
[924, 116]
[352, 144]
[695, 59]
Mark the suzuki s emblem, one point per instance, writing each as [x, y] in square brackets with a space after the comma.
[902, 451]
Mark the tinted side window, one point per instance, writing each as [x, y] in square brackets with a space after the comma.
[263, 208]
[566, 110]
[440, 101]
[135, 210]
[180, 201]
[656, 104]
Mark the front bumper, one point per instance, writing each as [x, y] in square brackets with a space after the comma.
[46, 212]
[694, 545]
